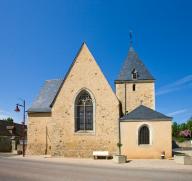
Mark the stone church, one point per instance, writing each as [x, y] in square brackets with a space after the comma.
[74, 116]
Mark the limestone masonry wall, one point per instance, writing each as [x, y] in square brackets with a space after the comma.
[39, 133]
[85, 74]
[144, 92]
[64, 141]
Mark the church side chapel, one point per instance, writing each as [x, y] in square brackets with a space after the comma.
[80, 114]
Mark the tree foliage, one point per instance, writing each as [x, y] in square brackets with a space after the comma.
[177, 129]
[10, 120]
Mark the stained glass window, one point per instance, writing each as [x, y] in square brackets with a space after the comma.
[84, 112]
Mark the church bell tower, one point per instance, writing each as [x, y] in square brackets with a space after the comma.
[134, 85]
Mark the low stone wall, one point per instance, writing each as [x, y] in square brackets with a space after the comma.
[5, 144]
[185, 144]
[185, 160]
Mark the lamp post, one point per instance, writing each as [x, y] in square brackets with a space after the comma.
[23, 123]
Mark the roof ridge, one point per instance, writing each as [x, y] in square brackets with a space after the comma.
[143, 112]
[54, 79]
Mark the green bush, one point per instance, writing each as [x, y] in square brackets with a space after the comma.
[180, 139]
[177, 128]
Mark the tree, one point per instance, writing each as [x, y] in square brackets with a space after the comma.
[189, 124]
[174, 129]
[183, 130]
[182, 126]
[10, 120]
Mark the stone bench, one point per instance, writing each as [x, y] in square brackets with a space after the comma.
[97, 154]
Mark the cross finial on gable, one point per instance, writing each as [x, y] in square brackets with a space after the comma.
[141, 102]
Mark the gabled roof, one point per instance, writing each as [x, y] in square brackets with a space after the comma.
[144, 113]
[50, 90]
[17, 129]
[3, 130]
[133, 62]
[47, 95]
[69, 70]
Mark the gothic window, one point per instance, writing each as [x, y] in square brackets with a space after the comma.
[134, 74]
[144, 135]
[84, 112]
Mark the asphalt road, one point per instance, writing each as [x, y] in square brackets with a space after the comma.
[26, 170]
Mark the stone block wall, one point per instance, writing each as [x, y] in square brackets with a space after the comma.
[84, 74]
[144, 94]
[39, 133]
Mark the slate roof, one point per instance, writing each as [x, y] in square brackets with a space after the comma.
[133, 62]
[144, 113]
[46, 97]
[50, 90]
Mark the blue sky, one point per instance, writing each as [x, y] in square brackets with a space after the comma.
[40, 38]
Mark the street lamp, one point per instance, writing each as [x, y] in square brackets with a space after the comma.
[23, 123]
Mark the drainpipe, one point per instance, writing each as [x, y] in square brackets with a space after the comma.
[125, 97]
[119, 125]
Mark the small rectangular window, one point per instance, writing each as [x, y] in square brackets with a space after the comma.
[134, 87]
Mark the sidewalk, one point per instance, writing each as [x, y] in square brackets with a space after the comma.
[136, 163]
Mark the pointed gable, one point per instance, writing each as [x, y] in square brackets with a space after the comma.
[85, 67]
[50, 90]
[133, 63]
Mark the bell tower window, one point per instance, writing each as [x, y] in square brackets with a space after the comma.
[134, 87]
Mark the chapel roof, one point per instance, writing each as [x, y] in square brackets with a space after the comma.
[131, 63]
[46, 96]
[144, 113]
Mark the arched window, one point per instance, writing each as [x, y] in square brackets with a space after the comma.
[84, 112]
[144, 135]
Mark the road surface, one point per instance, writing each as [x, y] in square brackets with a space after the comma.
[29, 170]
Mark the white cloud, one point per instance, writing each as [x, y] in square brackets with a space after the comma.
[185, 112]
[175, 86]
[181, 111]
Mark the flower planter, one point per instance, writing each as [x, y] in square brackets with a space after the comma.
[183, 159]
[119, 158]
[163, 155]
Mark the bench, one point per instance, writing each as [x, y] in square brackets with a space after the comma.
[97, 154]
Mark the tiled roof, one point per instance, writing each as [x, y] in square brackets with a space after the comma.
[144, 113]
[47, 95]
[133, 62]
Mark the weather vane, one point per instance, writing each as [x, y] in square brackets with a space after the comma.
[131, 37]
